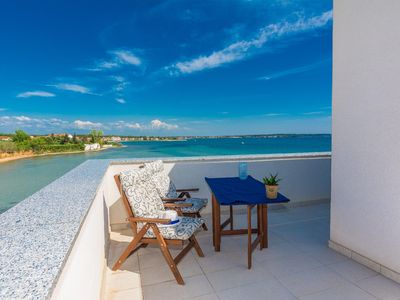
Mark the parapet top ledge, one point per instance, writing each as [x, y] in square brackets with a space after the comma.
[226, 158]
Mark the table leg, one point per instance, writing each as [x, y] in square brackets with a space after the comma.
[217, 221]
[249, 243]
[265, 225]
[213, 217]
[231, 215]
[259, 224]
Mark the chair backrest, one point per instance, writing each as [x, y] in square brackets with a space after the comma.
[164, 185]
[139, 194]
[125, 201]
[155, 166]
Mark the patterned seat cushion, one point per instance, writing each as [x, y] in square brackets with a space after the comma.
[164, 185]
[184, 230]
[141, 193]
[155, 166]
[198, 204]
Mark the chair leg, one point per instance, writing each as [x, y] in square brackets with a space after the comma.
[196, 246]
[204, 224]
[131, 247]
[167, 254]
[184, 251]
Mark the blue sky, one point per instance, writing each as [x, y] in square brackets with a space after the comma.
[166, 67]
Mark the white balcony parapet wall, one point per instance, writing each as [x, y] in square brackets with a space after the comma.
[365, 213]
[54, 243]
[305, 178]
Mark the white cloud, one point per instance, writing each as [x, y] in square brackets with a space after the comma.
[120, 100]
[35, 94]
[117, 59]
[134, 126]
[107, 65]
[293, 71]
[22, 118]
[241, 49]
[124, 124]
[313, 113]
[47, 125]
[126, 57]
[86, 124]
[158, 124]
[121, 83]
[73, 88]
[274, 115]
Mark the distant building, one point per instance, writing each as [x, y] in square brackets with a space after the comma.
[115, 139]
[92, 147]
[5, 138]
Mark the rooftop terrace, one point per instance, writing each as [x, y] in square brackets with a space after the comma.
[297, 265]
[61, 242]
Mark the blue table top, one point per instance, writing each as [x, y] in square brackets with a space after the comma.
[236, 191]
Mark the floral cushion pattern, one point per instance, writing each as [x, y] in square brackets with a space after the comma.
[141, 193]
[164, 185]
[182, 231]
[198, 204]
[155, 166]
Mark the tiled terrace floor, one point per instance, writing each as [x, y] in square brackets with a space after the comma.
[297, 265]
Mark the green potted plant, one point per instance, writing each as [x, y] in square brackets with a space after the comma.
[272, 185]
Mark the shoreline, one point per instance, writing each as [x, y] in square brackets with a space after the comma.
[31, 155]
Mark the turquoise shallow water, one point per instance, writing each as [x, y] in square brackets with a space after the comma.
[21, 178]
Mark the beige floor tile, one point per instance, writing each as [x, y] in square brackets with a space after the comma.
[218, 261]
[381, 287]
[205, 297]
[345, 291]
[237, 276]
[275, 251]
[290, 264]
[269, 289]
[161, 272]
[311, 281]
[194, 286]
[123, 280]
[132, 294]
[326, 255]
[352, 270]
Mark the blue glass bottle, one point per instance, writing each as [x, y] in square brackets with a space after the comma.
[243, 170]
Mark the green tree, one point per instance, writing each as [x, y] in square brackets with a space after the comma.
[95, 136]
[64, 139]
[74, 139]
[20, 136]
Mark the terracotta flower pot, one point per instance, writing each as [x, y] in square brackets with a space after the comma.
[272, 191]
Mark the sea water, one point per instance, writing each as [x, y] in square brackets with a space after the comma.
[21, 178]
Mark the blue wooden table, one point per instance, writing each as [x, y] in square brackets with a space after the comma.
[231, 191]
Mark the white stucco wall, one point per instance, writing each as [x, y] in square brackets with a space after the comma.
[82, 275]
[304, 179]
[365, 215]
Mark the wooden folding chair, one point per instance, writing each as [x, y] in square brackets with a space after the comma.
[170, 194]
[141, 238]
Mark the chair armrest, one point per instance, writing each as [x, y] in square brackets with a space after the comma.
[188, 190]
[149, 220]
[177, 205]
[173, 199]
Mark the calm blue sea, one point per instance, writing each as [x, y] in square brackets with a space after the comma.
[34, 173]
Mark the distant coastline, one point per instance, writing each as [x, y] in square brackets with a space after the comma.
[194, 137]
[30, 154]
[7, 157]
